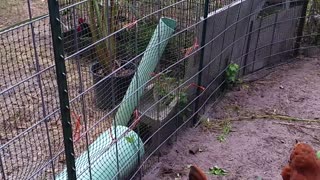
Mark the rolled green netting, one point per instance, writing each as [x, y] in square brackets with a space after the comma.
[103, 157]
[147, 65]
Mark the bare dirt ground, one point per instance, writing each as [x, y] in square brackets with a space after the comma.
[261, 131]
[12, 11]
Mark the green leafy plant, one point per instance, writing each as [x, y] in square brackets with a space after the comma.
[163, 86]
[232, 73]
[217, 171]
[226, 128]
[104, 20]
[318, 154]
[221, 138]
[312, 28]
[183, 101]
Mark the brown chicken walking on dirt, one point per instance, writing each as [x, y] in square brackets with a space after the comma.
[303, 164]
[196, 174]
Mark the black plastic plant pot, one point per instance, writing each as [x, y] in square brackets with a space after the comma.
[110, 91]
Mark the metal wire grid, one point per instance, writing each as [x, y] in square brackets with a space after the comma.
[96, 121]
[136, 45]
[29, 99]
[74, 88]
[221, 73]
[215, 84]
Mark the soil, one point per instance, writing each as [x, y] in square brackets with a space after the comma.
[254, 147]
[12, 11]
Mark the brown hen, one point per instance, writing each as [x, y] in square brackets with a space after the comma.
[196, 174]
[303, 164]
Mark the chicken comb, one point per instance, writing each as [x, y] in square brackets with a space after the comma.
[81, 20]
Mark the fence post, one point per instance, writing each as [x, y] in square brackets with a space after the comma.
[62, 86]
[300, 28]
[203, 38]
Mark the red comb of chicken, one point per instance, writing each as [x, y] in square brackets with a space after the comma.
[303, 164]
[196, 174]
[81, 20]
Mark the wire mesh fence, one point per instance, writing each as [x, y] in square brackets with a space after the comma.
[93, 89]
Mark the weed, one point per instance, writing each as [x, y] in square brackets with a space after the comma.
[232, 73]
[183, 99]
[226, 128]
[217, 171]
[163, 85]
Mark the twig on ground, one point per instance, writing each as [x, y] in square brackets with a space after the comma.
[272, 116]
[301, 125]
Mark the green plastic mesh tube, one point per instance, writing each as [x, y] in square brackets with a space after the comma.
[103, 158]
[147, 65]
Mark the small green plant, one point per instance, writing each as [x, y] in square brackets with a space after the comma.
[183, 99]
[217, 171]
[169, 89]
[183, 102]
[232, 73]
[318, 154]
[221, 138]
[163, 86]
[226, 128]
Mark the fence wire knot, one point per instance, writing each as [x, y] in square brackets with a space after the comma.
[202, 88]
[194, 47]
[78, 127]
[136, 119]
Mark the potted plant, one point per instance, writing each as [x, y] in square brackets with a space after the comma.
[162, 91]
[110, 87]
[163, 86]
[312, 29]
[171, 98]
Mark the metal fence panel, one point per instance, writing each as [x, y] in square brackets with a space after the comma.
[58, 104]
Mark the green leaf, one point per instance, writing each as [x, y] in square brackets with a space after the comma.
[217, 171]
[221, 138]
[226, 130]
[130, 139]
[318, 154]
[232, 72]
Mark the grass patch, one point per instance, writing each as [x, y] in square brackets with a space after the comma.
[226, 129]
